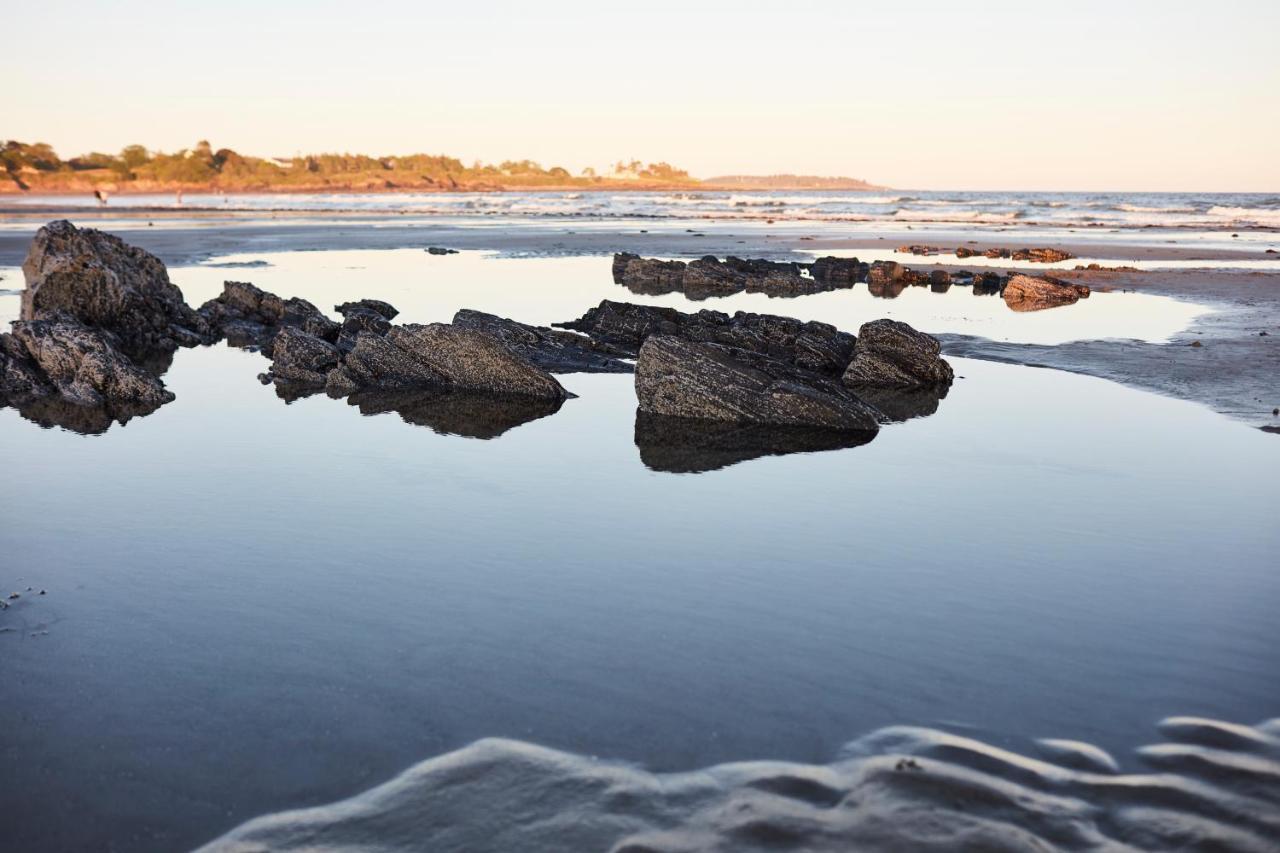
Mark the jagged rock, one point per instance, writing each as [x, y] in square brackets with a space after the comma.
[439, 356]
[685, 446]
[86, 366]
[709, 276]
[813, 346]
[376, 306]
[894, 355]
[365, 315]
[647, 275]
[244, 313]
[680, 378]
[1025, 293]
[885, 272]
[20, 379]
[1042, 256]
[554, 350]
[440, 250]
[102, 282]
[964, 252]
[832, 270]
[302, 358]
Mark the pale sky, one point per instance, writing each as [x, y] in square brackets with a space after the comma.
[1018, 95]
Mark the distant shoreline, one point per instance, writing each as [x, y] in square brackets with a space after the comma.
[12, 190]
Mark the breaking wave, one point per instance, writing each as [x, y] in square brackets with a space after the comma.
[1212, 786]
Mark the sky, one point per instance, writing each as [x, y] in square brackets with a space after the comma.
[926, 95]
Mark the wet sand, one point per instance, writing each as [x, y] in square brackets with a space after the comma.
[1233, 370]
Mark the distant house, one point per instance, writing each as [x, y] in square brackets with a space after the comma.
[282, 162]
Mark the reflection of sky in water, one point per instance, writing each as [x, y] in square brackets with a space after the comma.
[429, 288]
[232, 578]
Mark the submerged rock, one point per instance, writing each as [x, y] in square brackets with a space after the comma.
[554, 350]
[439, 356]
[894, 355]
[681, 378]
[102, 282]
[1026, 293]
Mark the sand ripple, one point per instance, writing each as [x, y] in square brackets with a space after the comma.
[1213, 786]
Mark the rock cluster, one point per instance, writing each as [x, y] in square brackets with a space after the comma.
[709, 276]
[248, 316]
[98, 316]
[769, 370]
[1039, 255]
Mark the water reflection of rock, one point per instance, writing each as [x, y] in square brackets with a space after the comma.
[463, 413]
[903, 404]
[687, 446]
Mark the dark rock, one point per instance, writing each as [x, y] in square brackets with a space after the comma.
[625, 326]
[102, 282]
[963, 252]
[439, 356]
[86, 366]
[710, 277]
[987, 283]
[302, 358]
[894, 355]
[1026, 293]
[1196, 344]
[832, 270]
[439, 250]
[681, 378]
[904, 404]
[464, 413]
[554, 350]
[685, 446]
[361, 306]
[939, 281]
[246, 313]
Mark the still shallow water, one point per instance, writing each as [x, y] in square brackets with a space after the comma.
[253, 606]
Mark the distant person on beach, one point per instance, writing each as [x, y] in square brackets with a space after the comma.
[101, 197]
[179, 198]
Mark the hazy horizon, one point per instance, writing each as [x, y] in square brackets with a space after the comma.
[908, 96]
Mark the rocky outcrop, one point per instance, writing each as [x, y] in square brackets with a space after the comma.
[709, 276]
[85, 366]
[1038, 255]
[701, 381]
[812, 346]
[1026, 293]
[891, 354]
[554, 350]
[439, 356]
[249, 316]
[101, 282]
[838, 271]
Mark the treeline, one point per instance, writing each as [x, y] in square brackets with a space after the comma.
[36, 167]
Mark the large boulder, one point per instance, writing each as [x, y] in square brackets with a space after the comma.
[680, 378]
[100, 281]
[85, 366]
[439, 356]
[820, 347]
[554, 350]
[894, 355]
[1028, 293]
